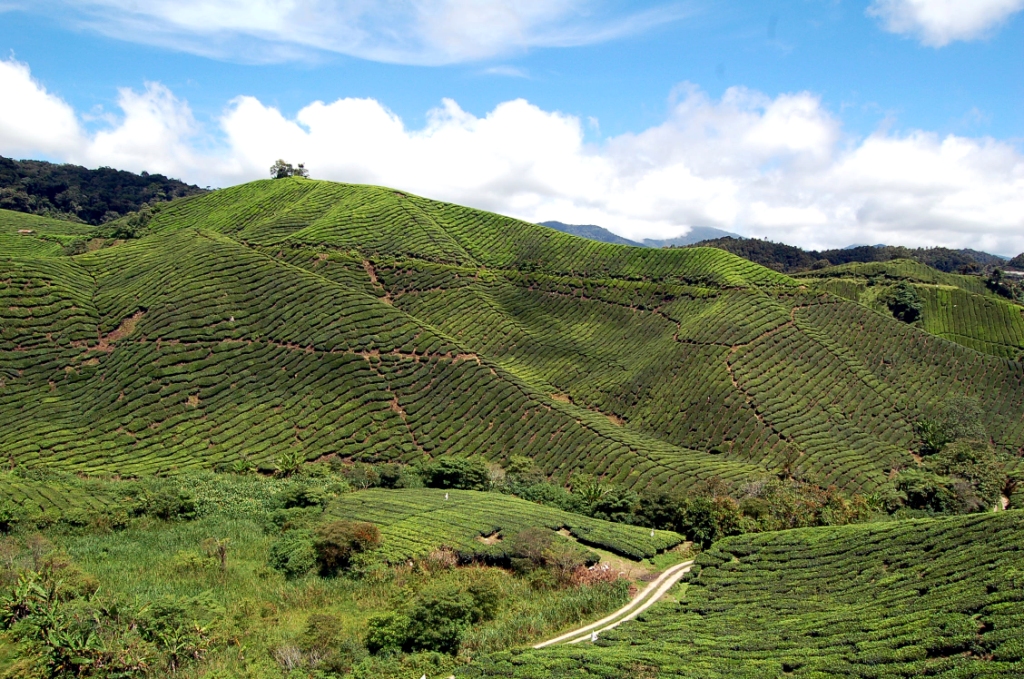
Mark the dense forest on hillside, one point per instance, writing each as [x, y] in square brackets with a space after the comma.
[79, 194]
[791, 259]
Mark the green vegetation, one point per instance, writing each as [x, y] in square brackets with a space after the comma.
[81, 195]
[307, 318]
[319, 430]
[963, 309]
[415, 522]
[188, 580]
[917, 598]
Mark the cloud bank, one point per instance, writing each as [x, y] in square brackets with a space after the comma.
[937, 23]
[422, 32]
[776, 167]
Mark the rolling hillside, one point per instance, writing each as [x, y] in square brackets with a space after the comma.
[958, 308]
[296, 316]
[938, 598]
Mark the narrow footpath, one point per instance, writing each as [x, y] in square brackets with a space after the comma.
[638, 605]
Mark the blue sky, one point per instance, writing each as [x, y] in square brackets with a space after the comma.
[816, 122]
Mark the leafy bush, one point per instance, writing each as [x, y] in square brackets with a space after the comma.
[303, 495]
[10, 514]
[455, 472]
[293, 553]
[335, 543]
[326, 646]
[163, 500]
[436, 620]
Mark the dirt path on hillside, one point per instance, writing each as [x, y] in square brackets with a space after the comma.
[647, 598]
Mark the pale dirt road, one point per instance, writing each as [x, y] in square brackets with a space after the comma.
[650, 594]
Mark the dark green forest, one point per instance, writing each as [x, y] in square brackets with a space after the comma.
[78, 194]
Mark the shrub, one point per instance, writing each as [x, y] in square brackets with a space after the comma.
[926, 491]
[293, 553]
[539, 548]
[386, 633]
[456, 473]
[335, 543]
[706, 519]
[980, 470]
[163, 500]
[302, 495]
[326, 647]
[439, 619]
[10, 514]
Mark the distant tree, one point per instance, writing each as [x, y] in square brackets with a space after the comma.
[454, 472]
[1017, 262]
[335, 543]
[905, 303]
[281, 169]
[79, 194]
[959, 419]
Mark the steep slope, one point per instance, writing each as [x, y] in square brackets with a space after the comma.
[319, 318]
[384, 223]
[919, 598]
[188, 349]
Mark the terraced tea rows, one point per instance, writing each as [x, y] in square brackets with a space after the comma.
[294, 316]
[129, 360]
[52, 497]
[958, 308]
[415, 522]
[384, 223]
[24, 235]
[935, 598]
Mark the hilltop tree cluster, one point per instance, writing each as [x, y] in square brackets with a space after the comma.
[281, 169]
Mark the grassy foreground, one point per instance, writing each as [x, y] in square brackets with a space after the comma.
[114, 590]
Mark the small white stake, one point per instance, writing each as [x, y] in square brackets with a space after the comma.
[446, 496]
[593, 636]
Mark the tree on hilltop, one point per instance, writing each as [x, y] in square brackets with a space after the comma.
[281, 169]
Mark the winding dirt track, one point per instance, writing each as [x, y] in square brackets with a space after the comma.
[641, 603]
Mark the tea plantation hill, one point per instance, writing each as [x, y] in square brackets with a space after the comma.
[937, 598]
[310, 318]
[962, 309]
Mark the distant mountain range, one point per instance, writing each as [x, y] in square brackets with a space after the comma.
[696, 234]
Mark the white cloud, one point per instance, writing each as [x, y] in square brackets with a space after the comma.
[507, 71]
[31, 119]
[426, 32]
[939, 22]
[779, 167]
